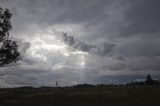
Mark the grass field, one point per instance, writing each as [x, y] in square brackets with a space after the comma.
[87, 96]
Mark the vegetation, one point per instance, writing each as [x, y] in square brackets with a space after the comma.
[132, 94]
[148, 81]
[8, 48]
[85, 96]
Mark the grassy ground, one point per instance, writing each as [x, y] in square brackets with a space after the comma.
[94, 96]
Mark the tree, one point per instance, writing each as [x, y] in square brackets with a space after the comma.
[8, 48]
[148, 77]
[149, 80]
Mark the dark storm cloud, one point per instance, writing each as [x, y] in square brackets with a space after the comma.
[139, 37]
[135, 64]
[143, 16]
[138, 47]
[123, 35]
[84, 10]
[56, 11]
[101, 50]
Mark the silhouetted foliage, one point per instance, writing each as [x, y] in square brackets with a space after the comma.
[148, 77]
[8, 48]
[149, 80]
[83, 86]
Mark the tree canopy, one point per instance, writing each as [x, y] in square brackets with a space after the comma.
[8, 48]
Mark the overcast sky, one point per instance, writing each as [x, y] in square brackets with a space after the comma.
[83, 41]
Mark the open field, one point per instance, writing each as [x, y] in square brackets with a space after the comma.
[87, 96]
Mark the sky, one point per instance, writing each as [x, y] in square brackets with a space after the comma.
[83, 41]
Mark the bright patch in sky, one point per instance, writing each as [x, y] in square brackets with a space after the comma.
[82, 61]
[49, 43]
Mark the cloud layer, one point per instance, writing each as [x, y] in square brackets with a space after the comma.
[101, 50]
[77, 41]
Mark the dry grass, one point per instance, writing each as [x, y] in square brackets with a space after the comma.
[93, 96]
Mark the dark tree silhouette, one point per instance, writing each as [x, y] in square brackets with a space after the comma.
[149, 80]
[148, 77]
[8, 48]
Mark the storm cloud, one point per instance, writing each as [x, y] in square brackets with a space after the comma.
[101, 50]
[78, 41]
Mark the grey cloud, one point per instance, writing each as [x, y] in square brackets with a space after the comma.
[35, 75]
[130, 28]
[23, 47]
[101, 50]
[143, 63]
[143, 17]
[84, 11]
[138, 47]
[53, 11]
[135, 64]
